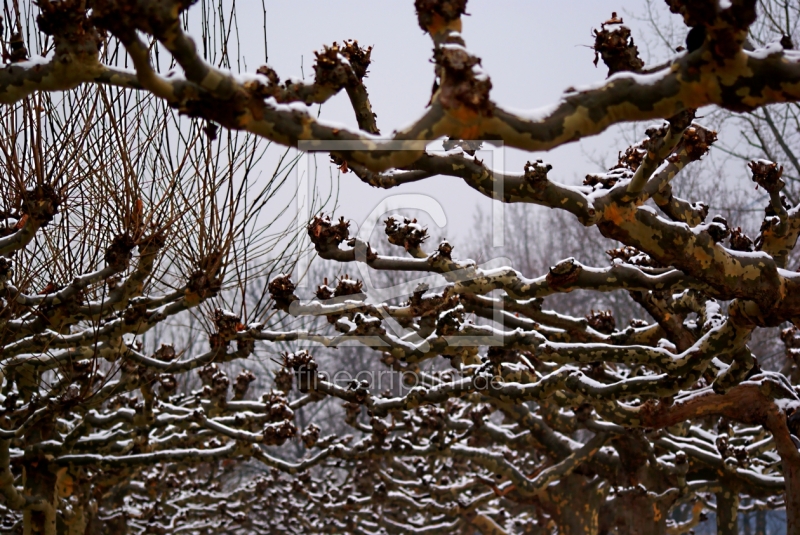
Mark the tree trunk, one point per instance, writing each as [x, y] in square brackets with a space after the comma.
[574, 504]
[790, 461]
[634, 512]
[728, 512]
[40, 482]
[791, 475]
[761, 523]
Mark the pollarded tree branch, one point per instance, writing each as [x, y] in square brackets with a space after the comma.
[460, 107]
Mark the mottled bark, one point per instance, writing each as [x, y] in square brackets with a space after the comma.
[575, 505]
[40, 485]
[634, 512]
[728, 511]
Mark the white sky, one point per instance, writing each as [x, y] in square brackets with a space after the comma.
[533, 50]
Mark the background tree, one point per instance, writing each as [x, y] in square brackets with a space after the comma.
[119, 224]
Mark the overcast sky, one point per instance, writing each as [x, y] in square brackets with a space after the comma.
[533, 50]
